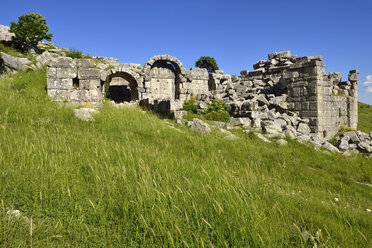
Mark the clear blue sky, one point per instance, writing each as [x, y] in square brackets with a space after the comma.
[236, 33]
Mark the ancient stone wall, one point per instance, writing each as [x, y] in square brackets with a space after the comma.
[74, 81]
[283, 83]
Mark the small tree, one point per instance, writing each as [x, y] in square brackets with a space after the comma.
[207, 62]
[30, 29]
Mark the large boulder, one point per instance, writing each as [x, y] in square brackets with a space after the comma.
[198, 125]
[5, 35]
[343, 143]
[330, 147]
[15, 63]
[261, 137]
[84, 114]
[353, 136]
[365, 147]
[303, 129]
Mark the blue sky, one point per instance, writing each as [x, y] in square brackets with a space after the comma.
[236, 33]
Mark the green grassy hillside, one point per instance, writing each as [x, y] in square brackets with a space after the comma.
[365, 117]
[132, 179]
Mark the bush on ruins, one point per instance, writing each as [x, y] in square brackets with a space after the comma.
[30, 30]
[207, 62]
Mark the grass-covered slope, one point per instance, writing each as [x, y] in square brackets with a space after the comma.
[365, 117]
[129, 179]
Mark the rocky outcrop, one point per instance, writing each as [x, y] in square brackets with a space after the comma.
[15, 63]
[5, 35]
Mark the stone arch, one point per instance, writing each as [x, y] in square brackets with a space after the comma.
[126, 89]
[173, 60]
[164, 75]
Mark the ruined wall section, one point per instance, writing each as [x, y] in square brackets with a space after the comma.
[74, 80]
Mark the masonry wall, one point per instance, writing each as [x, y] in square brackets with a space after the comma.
[74, 81]
[163, 84]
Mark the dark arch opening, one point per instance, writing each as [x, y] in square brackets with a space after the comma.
[122, 88]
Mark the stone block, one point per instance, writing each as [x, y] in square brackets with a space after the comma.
[83, 63]
[84, 84]
[279, 55]
[51, 72]
[74, 95]
[62, 62]
[59, 83]
[70, 72]
[89, 73]
[94, 84]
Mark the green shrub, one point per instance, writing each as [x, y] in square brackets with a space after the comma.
[30, 29]
[77, 54]
[207, 62]
[190, 105]
[216, 111]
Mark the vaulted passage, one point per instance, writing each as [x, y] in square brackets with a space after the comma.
[122, 87]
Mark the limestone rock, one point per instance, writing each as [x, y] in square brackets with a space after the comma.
[304, 129]
[15, 62]
[343, 144]
[198, 125]
[229, 135]
[281, 142]
[353, 136]
[45, 58]
[364, 147]
[330, 147]
[84, 114]
[261, 137]
[5, 35]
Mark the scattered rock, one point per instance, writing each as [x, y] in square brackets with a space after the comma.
[5, 35]
[229, 135]
[343, 144]
[84, 114]
[261, 137]
[303, 129]
[198, 125]
[330, 147]
[281, 142]
[15, 62]
[353, 136]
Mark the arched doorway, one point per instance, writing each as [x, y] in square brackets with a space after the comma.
[165, 73]
[123, 87]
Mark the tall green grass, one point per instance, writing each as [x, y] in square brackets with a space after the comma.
[365, 117]
[132, 179]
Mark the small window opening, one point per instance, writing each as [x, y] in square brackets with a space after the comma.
[75, 83]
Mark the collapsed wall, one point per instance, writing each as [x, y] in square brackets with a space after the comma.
[283, 83]
[295, 84]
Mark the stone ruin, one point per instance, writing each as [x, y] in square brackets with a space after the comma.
[283, 83]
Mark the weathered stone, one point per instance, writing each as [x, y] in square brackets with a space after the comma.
[303, 129]
[343, 143]
[364, 147]
[83, 63]
[88, 73]
[330, 147]
[180, 114]
[245, 122]
[84, 114]
[281, 142]
[261, 137]
[262, 100]
[353, 136]
[67, 72]
[14, 62]
[229, 135]
[5, 34]
[198, 125]
[278, 55]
